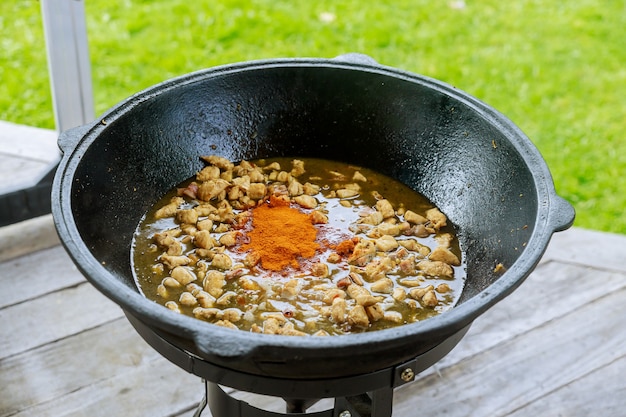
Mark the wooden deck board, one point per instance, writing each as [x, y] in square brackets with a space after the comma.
[599, 393]
[521, 370]
[27, 237]
[33, 270]
[25, 153]
[72, 363]
[54, 316]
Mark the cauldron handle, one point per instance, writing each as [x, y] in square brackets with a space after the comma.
[357, 58]
[562, 214]
[68, 139]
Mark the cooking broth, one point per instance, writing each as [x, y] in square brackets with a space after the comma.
[352, 250]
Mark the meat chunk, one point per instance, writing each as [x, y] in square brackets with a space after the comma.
[338, 310]
[414, 218]
[415, 246]
[374, 218]
[173, 261]
[232, 314]
[383, 286]
[167, 240]
[347, 193]
[407, 266]
[306, 201]
[320, 269]
[361, 295]
[359, 177]
[330, 295]
[437, 218]
[226, 323]
[317, 217]
[297, 167]
[205, 224]
[378, 268]
[386, 243]
[208, 173]
[383, 229]
[229, 238]
[226, 298]
[256, 191]
[385, 208]
[204, 239]
[222, 261]
[310, 189]
[271, 326]
[206, 313]
[363, 252]
[295, 188]
[358, 317]
[443, 288]
[205, 299]
[399, 294]
[444, 255]
[183, 275]
[169, 210]
[426, 296]
[435, 268]
[187, 299]
[214, 282]
[212, 189]
[291, 289]
[430, 299]
[218, 161]
[375, 312]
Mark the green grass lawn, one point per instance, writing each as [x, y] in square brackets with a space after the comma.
[557, 69]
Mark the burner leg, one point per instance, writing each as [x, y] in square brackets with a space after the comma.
[223, 405]
[377, 403]
[204, 400]
[373, 404]
[295, 405]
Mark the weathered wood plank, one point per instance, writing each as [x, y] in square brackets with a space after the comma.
[26, 237]
[26, 154]
[520, 371]
[47, 380]
[53, 317]
[589, 248]
[600, 393]
[57, 369]
[28, 142]
[157, 388]
[36, 274]
[17, 172]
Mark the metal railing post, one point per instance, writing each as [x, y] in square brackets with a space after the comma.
[69, 66]
[65, 30]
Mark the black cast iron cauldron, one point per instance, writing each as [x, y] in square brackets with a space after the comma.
[467, 158]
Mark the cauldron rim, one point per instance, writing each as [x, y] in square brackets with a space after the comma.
[554, 214]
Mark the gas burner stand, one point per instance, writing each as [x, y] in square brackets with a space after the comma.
[365, 395]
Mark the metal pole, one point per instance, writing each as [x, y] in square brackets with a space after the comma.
[68, 62]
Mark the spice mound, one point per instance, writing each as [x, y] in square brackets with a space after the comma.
[297, 247]
[280, 235]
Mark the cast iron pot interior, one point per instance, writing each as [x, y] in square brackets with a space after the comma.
[467, 158]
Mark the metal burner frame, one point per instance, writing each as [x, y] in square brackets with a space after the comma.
[365, 395]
